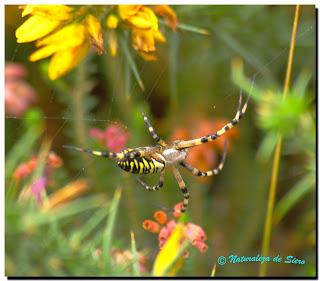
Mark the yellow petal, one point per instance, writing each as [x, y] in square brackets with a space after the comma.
[148, 56]
[169, 253]
[43, 53]
[64, 61]
[35, 28]
[94, 29]
[143, 40]
[70, 36]
[144, 19]
[159, 36]
[57, 12]
[112, 22]
[168, 14]
[140, 22]
[126, 11]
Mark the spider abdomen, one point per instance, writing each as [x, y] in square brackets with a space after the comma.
[141, 165]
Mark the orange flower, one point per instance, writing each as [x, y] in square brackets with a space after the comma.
[65, 194]
[160, 217]
[25, 169]
[151, 226]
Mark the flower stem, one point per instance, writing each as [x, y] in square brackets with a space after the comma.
[79, 95]
[277, 154]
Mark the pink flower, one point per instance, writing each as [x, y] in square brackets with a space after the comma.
[194, 233]
[200, 245]
[19, 95]
[163, 234]
[37, 188]
[114, 137]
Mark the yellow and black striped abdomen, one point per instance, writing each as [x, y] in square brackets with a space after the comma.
[141, 165]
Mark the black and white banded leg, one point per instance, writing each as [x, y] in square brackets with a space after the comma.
[183, 188]
[152, 132]
[209, 173]
[154, 187]
[209, 138]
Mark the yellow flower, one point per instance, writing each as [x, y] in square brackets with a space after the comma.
[95, 33]
[112, 41]
[66, 43]
[44, 19]
[112, 22]
[68, 46]
[145, 30]
[168, 257]
[126, 11]
[60, 12]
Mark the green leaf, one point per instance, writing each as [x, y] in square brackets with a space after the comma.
[293, 196]
[299, 87]
[89, 226]
[37, 218]
[135, 256]
[109, 230]
[267, 146]
[194, 29]
[131, 63]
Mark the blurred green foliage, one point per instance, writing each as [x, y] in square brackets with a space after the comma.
[191, 80]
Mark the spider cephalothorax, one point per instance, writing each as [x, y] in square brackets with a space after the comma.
[154, 159]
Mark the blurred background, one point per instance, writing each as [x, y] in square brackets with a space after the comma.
[190, 91]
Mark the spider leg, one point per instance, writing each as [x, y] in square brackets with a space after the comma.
[182, 187]
[111, 155]
[152, 132]
[155, 187]
[209, 173]
[209, 138]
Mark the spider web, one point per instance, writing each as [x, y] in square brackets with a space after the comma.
[62, 120]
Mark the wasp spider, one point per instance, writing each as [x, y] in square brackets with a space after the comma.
[154, 159]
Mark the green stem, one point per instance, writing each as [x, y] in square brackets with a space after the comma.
[277, 154]
[78, 99]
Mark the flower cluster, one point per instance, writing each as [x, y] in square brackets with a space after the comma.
[144, 26]
[163, 226]
[26, 168]
[19, 95]
[65, 33]
[53, 161]
[114, 137]
[60, 35]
